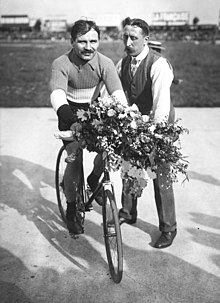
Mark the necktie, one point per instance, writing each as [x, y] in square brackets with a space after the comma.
[134, 66]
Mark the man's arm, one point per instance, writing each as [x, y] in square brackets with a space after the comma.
[162, 77]
[58, 85]
[61, 106]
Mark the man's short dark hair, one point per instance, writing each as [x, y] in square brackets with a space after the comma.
[137, 22]
[81, 27]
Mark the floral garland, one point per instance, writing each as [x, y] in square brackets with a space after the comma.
[134, 143]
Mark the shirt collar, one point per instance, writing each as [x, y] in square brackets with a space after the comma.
[143, 54]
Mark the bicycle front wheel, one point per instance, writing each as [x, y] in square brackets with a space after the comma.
[59, 173]
[112, 235]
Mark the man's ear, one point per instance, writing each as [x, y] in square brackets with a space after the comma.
[146, 38]
[71, 41]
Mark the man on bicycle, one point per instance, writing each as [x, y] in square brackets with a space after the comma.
[76, 80]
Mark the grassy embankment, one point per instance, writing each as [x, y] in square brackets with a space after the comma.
[25, 72]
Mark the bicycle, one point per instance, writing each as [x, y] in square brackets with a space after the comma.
[111, 225]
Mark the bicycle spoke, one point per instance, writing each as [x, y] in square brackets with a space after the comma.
[112, 233]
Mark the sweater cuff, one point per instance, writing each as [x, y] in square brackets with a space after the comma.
[66, 115]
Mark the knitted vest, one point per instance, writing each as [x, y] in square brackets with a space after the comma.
[138, 89]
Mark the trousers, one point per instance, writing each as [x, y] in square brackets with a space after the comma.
[73, 175]
[164, 198]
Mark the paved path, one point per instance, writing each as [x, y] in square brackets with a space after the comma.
[41, 263]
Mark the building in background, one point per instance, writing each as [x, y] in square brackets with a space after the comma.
[109, 25]
[15, 22]
[55, 24]
[165, 26]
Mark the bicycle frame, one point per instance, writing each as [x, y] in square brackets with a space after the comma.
[105, 181]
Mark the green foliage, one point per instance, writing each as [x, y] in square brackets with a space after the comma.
[25, 71]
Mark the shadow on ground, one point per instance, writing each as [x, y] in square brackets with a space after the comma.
[204, 178]
[154, 276]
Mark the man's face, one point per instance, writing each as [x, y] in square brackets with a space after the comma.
[85, 46]
[134, 40]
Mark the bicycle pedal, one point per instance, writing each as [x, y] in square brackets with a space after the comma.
[89, 207]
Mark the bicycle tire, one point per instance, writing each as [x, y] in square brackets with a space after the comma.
[112, 236]
[59, 173]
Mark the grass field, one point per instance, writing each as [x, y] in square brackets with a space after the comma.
[25, 72]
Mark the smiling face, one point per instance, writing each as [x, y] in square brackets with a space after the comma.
[134, 40]
[85, 46]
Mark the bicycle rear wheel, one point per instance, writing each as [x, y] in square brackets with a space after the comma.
[112, 235]
[59, 173]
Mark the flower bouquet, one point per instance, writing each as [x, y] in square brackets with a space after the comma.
[135, 144]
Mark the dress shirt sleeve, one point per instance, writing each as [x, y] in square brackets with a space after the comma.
[162, 77]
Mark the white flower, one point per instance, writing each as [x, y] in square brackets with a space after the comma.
[132, 114]
[136, 173]
[133, 125]
[151, 174]
[120, 107]
[132, 172]
[159, 136]
[121, 116]
[106, 101]
[81, 114]
[145, 118]
[134, 107]
[152, 128]
[111, 112]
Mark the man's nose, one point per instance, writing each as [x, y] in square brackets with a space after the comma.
[88, 45]
[129, 41]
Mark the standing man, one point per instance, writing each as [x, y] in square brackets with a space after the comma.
[146, 79]
[76, 80]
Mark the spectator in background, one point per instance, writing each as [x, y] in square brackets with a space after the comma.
[146, 79]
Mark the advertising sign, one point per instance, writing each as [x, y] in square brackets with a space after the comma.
[170, 18]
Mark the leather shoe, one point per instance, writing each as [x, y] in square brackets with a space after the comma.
[128, 221]
[74, 220]
[166, 239]
[74, 227]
